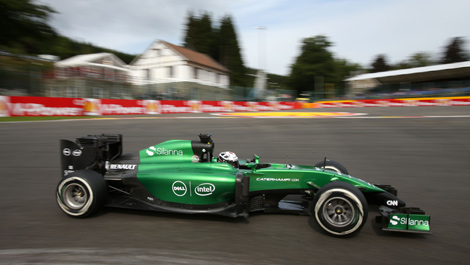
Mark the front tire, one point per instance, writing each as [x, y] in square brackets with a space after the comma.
[82, 193]
[333, 166]
[340, 209]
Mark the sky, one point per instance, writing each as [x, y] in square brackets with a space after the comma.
[270, 32]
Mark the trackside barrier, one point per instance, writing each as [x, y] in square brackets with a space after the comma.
[48, 106]
[402, 102]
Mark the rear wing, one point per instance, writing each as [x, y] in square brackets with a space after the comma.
[89, 152]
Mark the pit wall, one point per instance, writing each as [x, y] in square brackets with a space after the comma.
[49, 106]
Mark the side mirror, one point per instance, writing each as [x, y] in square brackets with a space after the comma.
[256, 159]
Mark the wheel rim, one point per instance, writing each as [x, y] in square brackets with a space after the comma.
[75, 196]
[339, 212]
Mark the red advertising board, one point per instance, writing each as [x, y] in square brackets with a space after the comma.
[41, 106]
[46, 106]
[121, 107]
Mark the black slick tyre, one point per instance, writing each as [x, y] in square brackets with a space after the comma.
[333, 166]
[340, 209]
[82, 193]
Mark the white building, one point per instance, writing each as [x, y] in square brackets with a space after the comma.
[165, 70]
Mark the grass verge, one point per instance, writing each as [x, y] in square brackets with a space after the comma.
[43, 118]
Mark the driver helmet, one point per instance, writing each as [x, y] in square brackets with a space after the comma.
[228, 157]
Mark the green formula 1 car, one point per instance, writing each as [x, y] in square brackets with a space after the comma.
[184, 176]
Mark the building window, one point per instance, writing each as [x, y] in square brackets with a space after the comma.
[195, 73]
[202, 74]
[147, 74]
[170, 71]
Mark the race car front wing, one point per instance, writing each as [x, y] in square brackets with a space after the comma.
[404, 219]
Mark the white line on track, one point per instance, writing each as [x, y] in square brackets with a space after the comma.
[401, 117]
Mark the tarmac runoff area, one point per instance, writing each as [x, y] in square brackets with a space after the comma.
[325, 113]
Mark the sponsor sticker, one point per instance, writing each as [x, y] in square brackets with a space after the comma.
[4, 106]
[253, 106]
[204, 189]
[409, 222]
[152, 106]
[91, 107]
[66, 152]
[418, 222]
[169, 152]
[67, 172]
[122, 166]
[195, 106]
[277, 179]
[398, 221]
[151, 151]
[228, 105]
[162, 151]
[179, 188]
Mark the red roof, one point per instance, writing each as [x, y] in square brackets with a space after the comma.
[196, 57]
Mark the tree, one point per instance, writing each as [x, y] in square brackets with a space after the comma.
[191, 34]
[343, 70]
[219, 43]
[419, 59]
[24, 26]
[229, 52]
[313, 67]
[380, 64]
[199, 34]
[455, 52]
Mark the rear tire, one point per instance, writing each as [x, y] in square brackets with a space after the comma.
[340, 209]
[82, 193]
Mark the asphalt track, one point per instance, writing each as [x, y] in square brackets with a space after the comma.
[422, 151]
